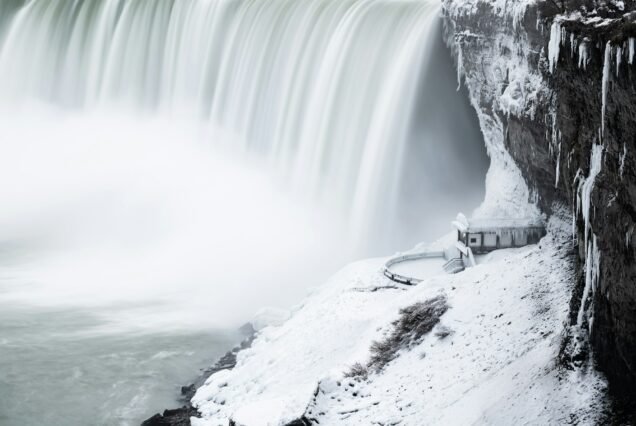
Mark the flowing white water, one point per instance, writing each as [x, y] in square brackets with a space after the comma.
[324, 89]
[188, 161]
[326, 95]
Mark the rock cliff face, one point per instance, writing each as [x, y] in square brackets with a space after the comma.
[554, 86]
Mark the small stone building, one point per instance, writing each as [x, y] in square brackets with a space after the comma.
[486, 235]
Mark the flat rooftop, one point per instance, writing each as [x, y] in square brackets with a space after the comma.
[478, 225]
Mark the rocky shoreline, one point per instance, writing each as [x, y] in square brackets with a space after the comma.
[181, 416]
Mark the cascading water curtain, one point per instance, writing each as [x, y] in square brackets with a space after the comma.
[322, 89]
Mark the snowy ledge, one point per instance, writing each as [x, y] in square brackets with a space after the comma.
[491, 359]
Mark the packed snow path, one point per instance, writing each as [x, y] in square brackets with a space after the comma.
[491, 360]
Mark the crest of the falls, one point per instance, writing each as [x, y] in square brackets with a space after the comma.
[324, 90]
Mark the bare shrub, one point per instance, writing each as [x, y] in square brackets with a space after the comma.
[357, 370]
[414, 323]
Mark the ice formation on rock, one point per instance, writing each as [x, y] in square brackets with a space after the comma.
[583, 54]
[606, 72]
[554, 45]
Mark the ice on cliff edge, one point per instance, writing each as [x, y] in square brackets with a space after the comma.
[498, 365]
[503, 84]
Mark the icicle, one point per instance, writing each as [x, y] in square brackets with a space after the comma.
[621, 169]
[606, 71]
[554, 45]
[583, 55]
[587, 287]
[555, 144]
[596, 263]
[619, 57]
[632, 49]
[592, 273]
[555, 133]
[519, 13]
[572, 46]
[577, 203]
[574, 229]
[564, 36]
[460, 66]
[556, 182]
[628, 236]
[586, 185]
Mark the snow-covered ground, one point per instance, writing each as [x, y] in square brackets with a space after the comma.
[492, 358]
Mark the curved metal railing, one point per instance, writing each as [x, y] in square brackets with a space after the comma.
[402, 279]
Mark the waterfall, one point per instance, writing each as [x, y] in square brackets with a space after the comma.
[179, 164]
[322, 90]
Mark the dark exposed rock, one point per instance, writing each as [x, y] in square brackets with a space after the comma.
[303, 421]
[181, 416]
[572, 102]
[176, 417]
[613, 335]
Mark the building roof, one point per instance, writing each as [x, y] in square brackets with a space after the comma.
[499, 223]
[490, 224]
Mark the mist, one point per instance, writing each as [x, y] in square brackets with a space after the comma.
[102, 210]
[445, 163]
[170, 168]
[186, 166]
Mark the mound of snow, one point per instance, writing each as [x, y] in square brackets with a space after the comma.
[269, 316]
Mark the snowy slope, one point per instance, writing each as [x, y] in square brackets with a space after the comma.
[498, 365]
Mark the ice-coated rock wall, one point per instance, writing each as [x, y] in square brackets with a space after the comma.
[554, 86]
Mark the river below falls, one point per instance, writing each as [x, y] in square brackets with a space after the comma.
[68, 366]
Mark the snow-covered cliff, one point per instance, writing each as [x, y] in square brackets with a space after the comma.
[553, 85]
[481, 346]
